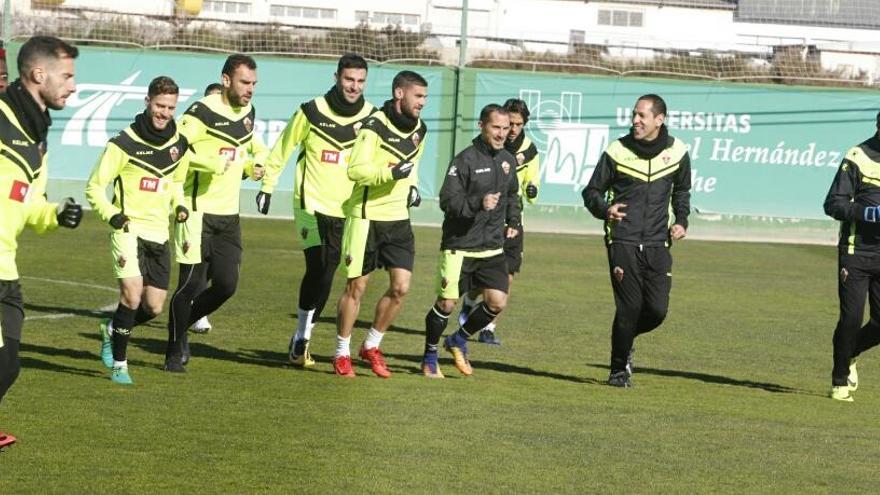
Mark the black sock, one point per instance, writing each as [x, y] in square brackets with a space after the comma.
[478, 319]
[435, 324]
[142, 316]
[123, 321]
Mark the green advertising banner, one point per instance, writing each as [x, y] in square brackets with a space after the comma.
[112, 84]
[755, 150]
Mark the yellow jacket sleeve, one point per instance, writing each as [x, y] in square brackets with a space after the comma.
[41, 214]
[257, 154]
[294, 133]
[178, 181]
[108, 168]
[363, 168]
[204, 158]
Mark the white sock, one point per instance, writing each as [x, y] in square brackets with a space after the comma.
[120, 364]
[374, 338]
[307, 335]
[467, 301]
[303, 323]
[110, 327]
[342, 346]
[490, 327]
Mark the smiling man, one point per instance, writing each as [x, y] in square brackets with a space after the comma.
[147, 164]
[638, 180]
[480, 202]
[325, 130]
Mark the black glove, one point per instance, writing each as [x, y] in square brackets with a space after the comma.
[531, 191]
[177, 211]
[69, 213]
[118, 221]
[414, 199]
[263, 200]
[401, 170]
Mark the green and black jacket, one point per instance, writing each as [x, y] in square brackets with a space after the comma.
[855, 187]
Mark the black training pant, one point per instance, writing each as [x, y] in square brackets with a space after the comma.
[321, 264]
[11, 321]
[641, 278]
[858, 279]
[221, 262]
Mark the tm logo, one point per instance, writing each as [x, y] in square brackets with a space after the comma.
[95, 103]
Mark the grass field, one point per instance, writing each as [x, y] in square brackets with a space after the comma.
[729, 394]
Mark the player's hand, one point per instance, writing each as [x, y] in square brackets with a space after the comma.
[69, 214]
[414, 199]
[119, 221]
[871, 214]
[520, 158]
[263, 200]
[677, 232]
[490, 201]
[614, 212]
[401, 170]
[531, 191]
[182, 213]
[259, 172]
[511, 232]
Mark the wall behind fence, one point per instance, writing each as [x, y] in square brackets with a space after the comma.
[758, 151]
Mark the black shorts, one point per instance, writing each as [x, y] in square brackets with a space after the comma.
[513, 251]
[371, 244]
[154, 261]
[221, 238]
[460, 273]
[11, 309]
[330, 229]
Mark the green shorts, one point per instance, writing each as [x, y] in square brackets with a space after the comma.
[458, 272]
[136, 257]
[188, 239]
[371, 244]
[307, 228]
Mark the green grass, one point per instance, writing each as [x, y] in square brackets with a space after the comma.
[729, 393]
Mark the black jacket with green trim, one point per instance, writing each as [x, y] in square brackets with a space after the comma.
[855, 189]
[649, 187]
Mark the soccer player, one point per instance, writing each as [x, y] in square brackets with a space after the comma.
[46, 80]
[480, 202]
[854, 200]
[378, 234]
[202, 325]
[146, 163]
[220, 132]
[639, 179]
[527, 173]
[324, 129]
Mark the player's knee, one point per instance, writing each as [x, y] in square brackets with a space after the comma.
[154, 308]
[355, 289]
[398, 290]
[446, 305]
[497, 303]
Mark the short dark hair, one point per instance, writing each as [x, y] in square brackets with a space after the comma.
[235, 61]
[43, 47]
[658, 106]
[213, 87]
[351, 61]
[489, 109]
[515, 105]
[162, 85]
[407, 78]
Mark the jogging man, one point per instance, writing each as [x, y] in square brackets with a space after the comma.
[146, 164]
[324, 129]
[638, 180]
[46, 80]
[480, 202]
[854, 200]
[220, 132]
[527, 174]
[378, 234]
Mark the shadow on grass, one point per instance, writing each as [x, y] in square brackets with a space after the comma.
[60, 310]
[716, 379]
[500, 367]
[28, 362]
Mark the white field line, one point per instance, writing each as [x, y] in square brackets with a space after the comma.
[58, 316]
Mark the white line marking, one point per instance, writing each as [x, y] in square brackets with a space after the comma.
[58, 316]
[78, 284]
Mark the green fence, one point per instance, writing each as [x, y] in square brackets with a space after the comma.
[763, 156]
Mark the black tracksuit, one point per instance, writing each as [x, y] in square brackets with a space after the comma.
[648, 178]
[852, 198]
